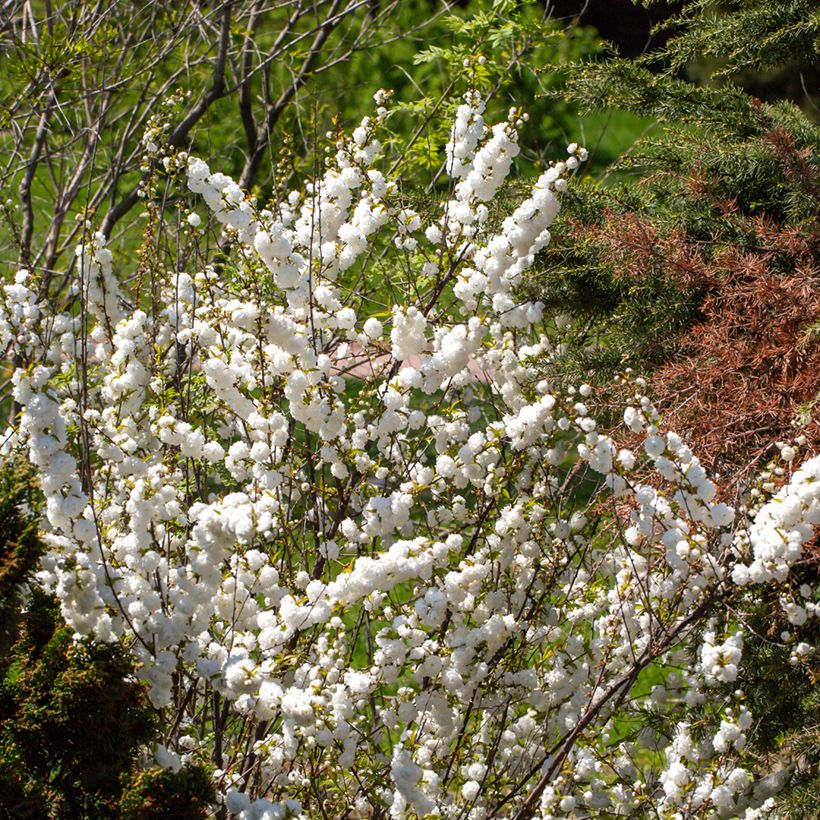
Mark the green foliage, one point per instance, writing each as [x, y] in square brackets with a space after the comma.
[802, 799]
[746, 34]
[631, 85]
[74, 717]
[154, 794]
[20, 546]
[786, 706]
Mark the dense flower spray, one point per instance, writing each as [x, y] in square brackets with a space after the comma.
[409, 588]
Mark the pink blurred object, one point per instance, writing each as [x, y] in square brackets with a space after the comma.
[368, 363]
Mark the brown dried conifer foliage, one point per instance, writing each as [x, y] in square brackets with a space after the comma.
[636, 246]
[746, 374]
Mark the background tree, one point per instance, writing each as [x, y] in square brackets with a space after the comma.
[694, 260]
[695, 257]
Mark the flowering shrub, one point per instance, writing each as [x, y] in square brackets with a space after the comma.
[364, 557]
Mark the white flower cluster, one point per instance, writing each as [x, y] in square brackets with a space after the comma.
[781, 528]
[720, 661]
[465, 134]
